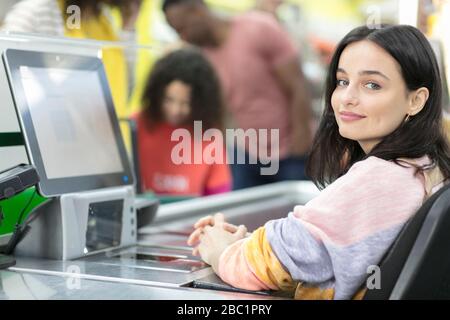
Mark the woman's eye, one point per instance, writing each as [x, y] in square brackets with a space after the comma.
[342, 83]
[372, 86]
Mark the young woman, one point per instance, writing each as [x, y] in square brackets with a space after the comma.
[182, 88]
[379, 154]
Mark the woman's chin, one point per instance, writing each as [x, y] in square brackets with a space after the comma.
[347, 134]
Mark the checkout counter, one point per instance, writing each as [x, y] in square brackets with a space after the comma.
[94, 238]
[159, 265]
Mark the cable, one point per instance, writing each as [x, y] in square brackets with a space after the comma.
[20, 230]
[19, 221]
[2, 216]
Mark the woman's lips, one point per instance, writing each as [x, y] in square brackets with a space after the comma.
[350, 116]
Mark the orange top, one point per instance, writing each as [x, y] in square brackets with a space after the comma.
[160, 172]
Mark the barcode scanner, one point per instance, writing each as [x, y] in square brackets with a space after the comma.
[13, 181]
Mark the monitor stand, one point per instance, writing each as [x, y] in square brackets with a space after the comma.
[6, 261]
[74, 225]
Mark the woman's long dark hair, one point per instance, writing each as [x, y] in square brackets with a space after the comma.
[332, 155]
[192, 68]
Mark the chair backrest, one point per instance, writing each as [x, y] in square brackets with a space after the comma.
[417, 266]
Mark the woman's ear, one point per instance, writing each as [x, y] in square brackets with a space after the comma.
[418, 99]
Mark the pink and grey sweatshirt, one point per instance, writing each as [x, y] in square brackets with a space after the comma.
[324, 248]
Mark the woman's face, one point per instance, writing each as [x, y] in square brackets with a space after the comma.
[176, 104]
[371, 99]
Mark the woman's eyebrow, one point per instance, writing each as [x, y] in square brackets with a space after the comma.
[366, 72]
[374, 72]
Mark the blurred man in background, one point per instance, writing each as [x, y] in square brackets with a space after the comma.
[263, 84]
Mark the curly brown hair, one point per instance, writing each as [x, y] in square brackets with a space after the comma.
[192, 68]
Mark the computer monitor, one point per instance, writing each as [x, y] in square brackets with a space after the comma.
[68, 119]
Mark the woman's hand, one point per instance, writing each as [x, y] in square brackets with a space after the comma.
[200, 225]
[215, 239]
[214, 235]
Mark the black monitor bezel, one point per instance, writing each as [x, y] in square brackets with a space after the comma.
[13, 60]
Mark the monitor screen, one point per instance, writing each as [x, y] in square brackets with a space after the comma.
[68, 119]
[69, 124]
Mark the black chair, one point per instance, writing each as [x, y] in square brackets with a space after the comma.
[417, 266]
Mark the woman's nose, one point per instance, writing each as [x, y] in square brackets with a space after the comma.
[350, 96]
